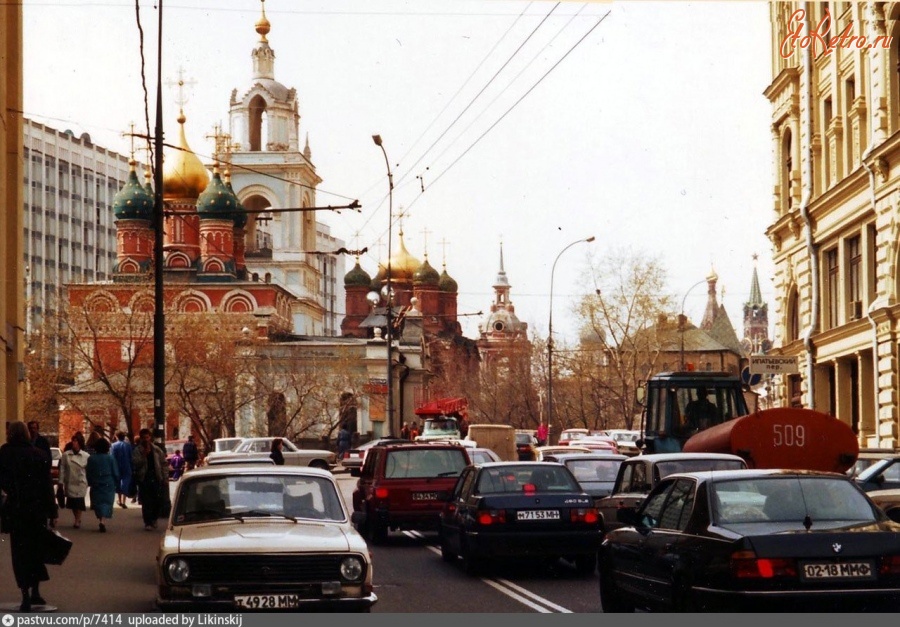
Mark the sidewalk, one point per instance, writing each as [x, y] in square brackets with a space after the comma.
[105, 572]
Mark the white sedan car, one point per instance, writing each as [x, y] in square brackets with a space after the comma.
[293, 456]
[262, 538]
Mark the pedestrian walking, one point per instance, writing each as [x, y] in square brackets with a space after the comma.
[176, 463]
[37, 440]
[121, 451]
[404, 431]
[191, 453]
[414, 432]
[73, 477]
[103, 478]
[277, 454]
[344, 439]
[151, 475]
[29, 506]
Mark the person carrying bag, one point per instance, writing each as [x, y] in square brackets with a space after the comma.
[29, 506]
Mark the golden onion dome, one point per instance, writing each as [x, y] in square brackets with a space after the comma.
[184, 175]
[403, 265]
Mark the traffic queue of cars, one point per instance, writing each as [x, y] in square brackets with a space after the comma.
[678, 531]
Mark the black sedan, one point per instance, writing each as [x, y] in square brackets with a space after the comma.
[519, 510]
[753, 540]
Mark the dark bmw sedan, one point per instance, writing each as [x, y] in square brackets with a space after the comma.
[519, 510]
[753, 540]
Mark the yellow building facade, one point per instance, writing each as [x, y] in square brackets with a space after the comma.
[835, 96]
[12, 306]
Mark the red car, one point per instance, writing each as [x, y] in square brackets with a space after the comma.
[403, 486]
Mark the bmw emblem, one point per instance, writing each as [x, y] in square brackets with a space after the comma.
[837, 547]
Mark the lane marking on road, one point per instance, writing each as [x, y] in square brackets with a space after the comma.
[510, 589]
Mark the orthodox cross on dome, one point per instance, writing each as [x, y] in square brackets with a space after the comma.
[131, 135]
[181, 99]
[444, 243]
[219, 141]
[425, 232]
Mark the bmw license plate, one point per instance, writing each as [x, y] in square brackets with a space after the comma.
[424, 496]
[842, 570]
[267, 601]
[538, 514]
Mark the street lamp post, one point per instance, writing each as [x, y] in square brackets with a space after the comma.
[388, 296]
[550, 330]
[681, 319]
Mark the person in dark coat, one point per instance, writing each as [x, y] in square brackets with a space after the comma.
[30, 505]
[276, 454]
[191, 453]
[151, 473]
[121, 450]
[102, 477]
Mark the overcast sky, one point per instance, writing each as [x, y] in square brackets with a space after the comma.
[534, 124]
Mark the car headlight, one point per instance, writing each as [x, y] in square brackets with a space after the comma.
[351, 568]
[178, 570]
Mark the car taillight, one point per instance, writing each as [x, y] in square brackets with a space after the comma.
[381, 493]
[492, 516]
[890, 565]
[746, 565]
[583, 515]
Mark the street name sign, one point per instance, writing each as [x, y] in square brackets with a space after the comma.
[773, 364]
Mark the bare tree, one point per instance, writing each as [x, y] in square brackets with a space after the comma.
[618, 352]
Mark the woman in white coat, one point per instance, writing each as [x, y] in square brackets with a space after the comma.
[73, 477]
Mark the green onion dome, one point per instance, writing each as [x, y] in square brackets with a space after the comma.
[447, 283]
[426, 275]
[357, 277]
[216, 201]
[133, 202]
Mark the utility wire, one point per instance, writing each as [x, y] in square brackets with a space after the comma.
[515, 78]
[491, 80]
[514, 105]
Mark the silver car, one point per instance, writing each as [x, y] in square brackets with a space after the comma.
[293, 456]
[262, 538]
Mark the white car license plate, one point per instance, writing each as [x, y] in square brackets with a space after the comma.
[267, 601]
[843, 570]
[424, 496]
[538, 514]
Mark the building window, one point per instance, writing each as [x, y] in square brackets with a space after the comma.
[854, 277]
[832, 290]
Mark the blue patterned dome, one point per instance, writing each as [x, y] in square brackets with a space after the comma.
[133, 202]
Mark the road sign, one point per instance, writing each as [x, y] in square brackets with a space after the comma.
[750, 378]
[773, 364]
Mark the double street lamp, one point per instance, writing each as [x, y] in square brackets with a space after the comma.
[550, 331]
[388, 292]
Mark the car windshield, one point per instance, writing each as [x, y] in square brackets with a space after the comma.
[625, 437]
[543, 477]
[523, 438]
[440, 426]
[594, 470]
[697, 465]
[788, 499]
[243, 496]
[412, 463]
[879, 467]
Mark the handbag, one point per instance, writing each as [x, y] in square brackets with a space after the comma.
[60, 496]
[54, 546]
